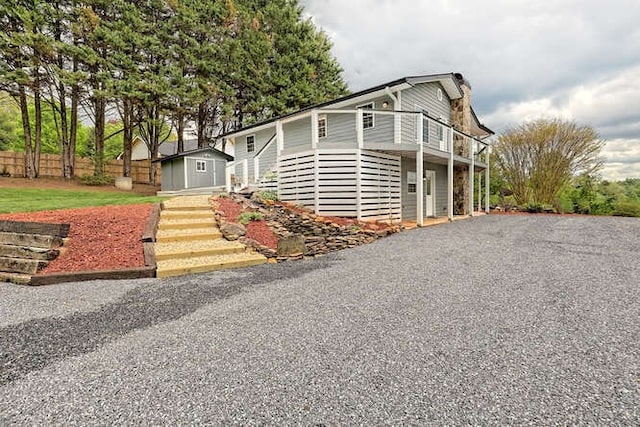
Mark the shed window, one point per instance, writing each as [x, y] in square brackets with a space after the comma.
[322, 126]
[367, 118]
[251, 143]
[201, 166]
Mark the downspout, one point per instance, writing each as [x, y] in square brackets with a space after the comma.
[396, 119]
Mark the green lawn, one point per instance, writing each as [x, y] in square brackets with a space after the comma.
[34, 199]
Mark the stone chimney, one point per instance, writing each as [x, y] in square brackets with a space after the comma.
[461, 120]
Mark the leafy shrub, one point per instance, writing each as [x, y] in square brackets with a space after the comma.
[269, 195]
[245, 217]
[223, 195]
[96, 180]
[631, 208]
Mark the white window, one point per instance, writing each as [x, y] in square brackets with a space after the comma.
[367, 118]
[439, 94]
[201, 166]
[251, 143]
[322, 126]
[411, 182]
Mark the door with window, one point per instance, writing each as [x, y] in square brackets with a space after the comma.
[429, 192]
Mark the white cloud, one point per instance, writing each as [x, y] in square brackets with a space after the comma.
[576, 59]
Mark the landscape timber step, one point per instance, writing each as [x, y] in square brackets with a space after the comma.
[20, 265]
[184, 214]
[60, 230]
[187, 223]
[205, 264]
[16, 278]
[205, 233]
[189, 249]
[13, 251]
[30, 240]
[194, 203]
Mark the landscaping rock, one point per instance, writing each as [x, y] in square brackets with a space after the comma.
[319, 235]
[232, 230]
[292, 245]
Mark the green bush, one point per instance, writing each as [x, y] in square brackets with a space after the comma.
[631, 208]
[269, 195]
[245, 217]
[96, 180]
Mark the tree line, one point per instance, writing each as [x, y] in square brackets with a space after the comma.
[554, 164]
[155, 65]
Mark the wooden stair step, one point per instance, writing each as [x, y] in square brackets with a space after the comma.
[29, 240]
[202, 264]
[182, 203]
[186, 223]
[17, 278]
[189, 249]
[21, 265]
[12, 251]
[205, 233]
[185, 214]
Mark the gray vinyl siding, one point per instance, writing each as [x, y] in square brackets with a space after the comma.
[341, 130]
[424, 95]
[409, 199]
[268, 159]
[172, 175]
[261, 139]
[441, 188]
[297, 135]
[200, 179]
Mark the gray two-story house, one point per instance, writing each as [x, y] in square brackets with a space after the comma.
[404, 150]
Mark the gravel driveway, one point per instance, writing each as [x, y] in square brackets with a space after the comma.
[493, 320]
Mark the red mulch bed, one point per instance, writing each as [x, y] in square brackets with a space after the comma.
[100, 238]
[256, 230]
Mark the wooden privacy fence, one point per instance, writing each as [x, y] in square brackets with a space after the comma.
[51, 166]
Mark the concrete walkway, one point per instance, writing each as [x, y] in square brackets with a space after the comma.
[497, 320]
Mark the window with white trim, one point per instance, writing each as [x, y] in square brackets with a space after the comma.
[411, 182]
[201, 166]
[367, 118]
[322, 126]
[251, 143]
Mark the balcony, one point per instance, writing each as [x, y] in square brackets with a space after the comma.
[400, 133]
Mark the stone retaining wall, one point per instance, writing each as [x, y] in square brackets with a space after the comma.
[321, 235]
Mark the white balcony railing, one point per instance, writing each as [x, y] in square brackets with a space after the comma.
[400, 128]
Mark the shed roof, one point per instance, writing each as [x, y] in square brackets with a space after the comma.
[212, 150]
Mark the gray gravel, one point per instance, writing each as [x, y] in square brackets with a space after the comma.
[494, 320]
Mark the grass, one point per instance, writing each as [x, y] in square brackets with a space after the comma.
[34, 199]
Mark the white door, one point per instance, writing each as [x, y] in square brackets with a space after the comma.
[429, 192]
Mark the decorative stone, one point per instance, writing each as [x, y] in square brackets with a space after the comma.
[232, 230]
[291, 245]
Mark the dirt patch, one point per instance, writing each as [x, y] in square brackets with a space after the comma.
[100, 238]
[73, 184]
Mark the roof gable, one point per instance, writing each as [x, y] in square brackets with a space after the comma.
[211, 150]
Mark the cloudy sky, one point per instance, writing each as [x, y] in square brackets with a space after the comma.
[525, 59]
